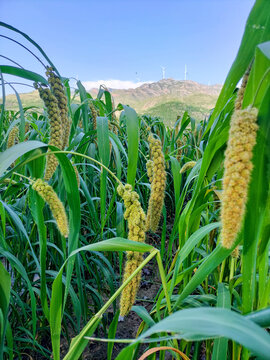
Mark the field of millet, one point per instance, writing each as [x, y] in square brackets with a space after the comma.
[122, 238]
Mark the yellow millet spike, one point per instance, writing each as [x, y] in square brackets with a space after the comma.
[94, 115]
[237, 171]
[58, 91]
[27, 128]
[187, 166]
[57, 208]
[179, 145]
[128, 295]
[50, 102]
[12, 137]
[135, 216]
[157, 186]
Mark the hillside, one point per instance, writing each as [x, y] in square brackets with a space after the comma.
[165, 98]
[171, 109]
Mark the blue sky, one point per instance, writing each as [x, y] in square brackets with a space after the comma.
[129, 40]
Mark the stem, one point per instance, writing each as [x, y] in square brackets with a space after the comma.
[232, 268]
[91, 159]
[14, 62]
[145, 157]
[78, 154]
[27, 178]
[18, 83]
[174, 261]
[120, 341]
[222, 271]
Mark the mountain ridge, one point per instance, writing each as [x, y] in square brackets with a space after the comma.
[166, 95]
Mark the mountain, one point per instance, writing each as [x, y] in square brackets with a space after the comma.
[166, 98]
[169, 98]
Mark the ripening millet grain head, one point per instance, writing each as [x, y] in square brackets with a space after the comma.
[59, 93]
[187, 166]
[135, 216]
[158, 184]
[56, 135]
[27, 128]
[237, 172]
[94, 115]
[129, 293]
[57, 208]
[179, 145]
[12, 136]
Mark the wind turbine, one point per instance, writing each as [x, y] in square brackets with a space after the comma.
[186, 73]
[138, 77]
[163, 72]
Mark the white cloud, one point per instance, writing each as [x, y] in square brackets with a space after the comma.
[113, 84]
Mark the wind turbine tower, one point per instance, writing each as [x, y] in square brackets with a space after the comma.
[163, 72]
[186, 73]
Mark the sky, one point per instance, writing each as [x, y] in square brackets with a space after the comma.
[127, 40]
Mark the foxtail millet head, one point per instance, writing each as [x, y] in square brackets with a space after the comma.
[237, 173]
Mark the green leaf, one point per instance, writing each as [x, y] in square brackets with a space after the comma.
[111, 334]
[5, 285]
[56, 314]
[190, 244]
[25, 74]
[260, 317]
[177, 177]
[104, 154]
[2, 115]
[206, 323]
[9, 156]
[126, 353]
[21, 270]
[194, 239]
[208, 265]
[144, 315]
[115, 244]
[259, 77]
[31, 41]
[84, 106]
[221, 344]
[133, 142]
